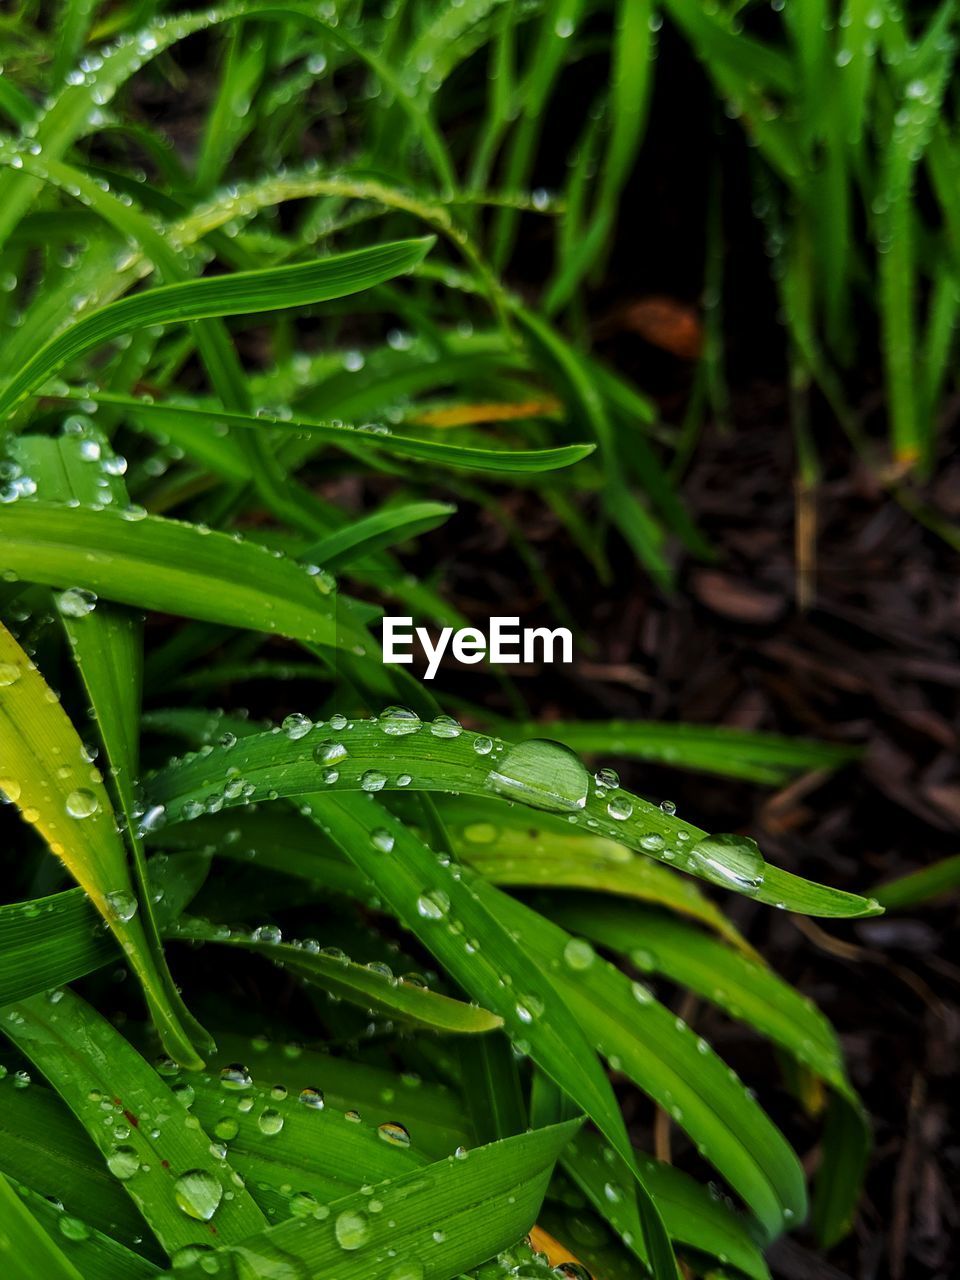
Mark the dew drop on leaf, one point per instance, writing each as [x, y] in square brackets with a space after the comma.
[73, 1228]
[409, 1269]
[312, 1098]
[398, 721]
[578, 954]
[198, 1194]
[351, 1229]
[541, 773]
[296, 725]
[9, 674]
[733, 861]
[620, 807]
[394, 1133]
[329, 753]
[381, 839]
[373, 780]
[270, 1121]
[433, 905]
[123, 905]
[75, 602]
[235, 1077]
[123, 1162]
[445, 727]
[82, 803]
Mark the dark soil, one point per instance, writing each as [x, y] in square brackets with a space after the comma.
[875, 662]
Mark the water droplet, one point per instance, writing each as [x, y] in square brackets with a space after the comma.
[9, 674]
[445, 727]
[578, 954]
[270, 1121]
[329, 753]
[82, 803]
[312, 1098]
[373, 780]
[198, 1194]
[668, 807]
[607, 779]
[226, 1128]
[268, 933]
[75, 602]
[541, 773]
[123, 1162]
[235, 1077]
[296, 725]
[409, 1269]
[123, 905]
[394, 1133]
[398, 721]
[303, 1204]
[9, 790]
[73, 1228]
[483, 745]
[434, 905]
[733, 861]
[620, 807]
[381, 839]
[351, 1229]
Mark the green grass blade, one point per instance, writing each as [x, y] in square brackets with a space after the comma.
[89, 1063]
[434, 762]
[90, 1253]
[466, 457]
[693, 1215]
[436, 1222]
[732, 753]
[356, 983]
[240, 293]
[919, 887]
[62, 795]
[153, 563]
[25, 1248]
[428, 898]
[743, 986]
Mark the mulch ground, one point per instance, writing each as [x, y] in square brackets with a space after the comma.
[874, 661]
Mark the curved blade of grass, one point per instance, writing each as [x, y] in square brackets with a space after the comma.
[356, 983]
[43, 1147]
[731, 753]
[507, 847]
[466, 457]
[95, 1255]
[920, 886]
[242, 292]
[433, 1114]
[845, 1151]
[106, 645]
[432, 899]
[693, 1215]
[47, 942]
[25, 1248]
[323, 1152]
[743, 986]
[154, 563]
[665, 1059]
[371, 533]
[438, 1221]
[90, 1063]
[452, 764]
[48, 775]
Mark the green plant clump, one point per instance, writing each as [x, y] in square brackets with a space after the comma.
[414, 948]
